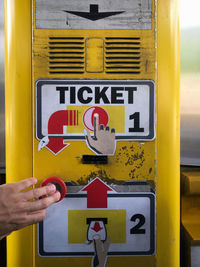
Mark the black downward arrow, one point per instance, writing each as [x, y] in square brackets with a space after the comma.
[94, 13]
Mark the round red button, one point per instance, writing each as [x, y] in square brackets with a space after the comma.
[59, 183]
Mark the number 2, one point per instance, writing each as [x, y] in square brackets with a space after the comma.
[137, 228]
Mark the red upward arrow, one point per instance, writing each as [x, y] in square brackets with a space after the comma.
[97, 194]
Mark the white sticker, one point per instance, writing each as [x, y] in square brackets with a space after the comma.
[96, 14]
[100, 112]
[97, 212]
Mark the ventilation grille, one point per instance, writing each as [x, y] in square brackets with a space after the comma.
[66, 55]
[122, 55]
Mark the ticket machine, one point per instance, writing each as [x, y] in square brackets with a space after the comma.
[92, 99]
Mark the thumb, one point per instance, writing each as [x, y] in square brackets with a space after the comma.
[88, 137]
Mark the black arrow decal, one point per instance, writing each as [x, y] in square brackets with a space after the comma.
[94, 13]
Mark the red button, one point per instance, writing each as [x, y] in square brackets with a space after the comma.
[60, 185]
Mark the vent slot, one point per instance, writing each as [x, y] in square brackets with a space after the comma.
[66, 55]
[123, 55]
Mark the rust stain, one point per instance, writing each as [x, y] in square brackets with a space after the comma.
[132, 173]
[129, 157]
[83, 180]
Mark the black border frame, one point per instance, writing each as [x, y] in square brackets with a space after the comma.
[38, 110]
[151, 252]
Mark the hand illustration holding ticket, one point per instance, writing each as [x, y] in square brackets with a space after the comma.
[103, 142]
[100, 252]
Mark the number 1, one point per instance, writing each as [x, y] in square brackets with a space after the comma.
[136, 125]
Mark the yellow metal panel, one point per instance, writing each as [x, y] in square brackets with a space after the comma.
[46, 51]
[18, 115]
[135, 156]
[168, 135]
[86, 262]
[132, 160]
[19, 143]
[137, 159]
[94, 55]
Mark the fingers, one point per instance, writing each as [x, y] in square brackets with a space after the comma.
[32, 218]
[43, 203]
[113, 131]
[101, 251]
[88, 137]
[96, 124]
[37, 217]
[16, 209]
[98, 244]
[38, 192]
[107, 244]
[24, 184]
[101, 127]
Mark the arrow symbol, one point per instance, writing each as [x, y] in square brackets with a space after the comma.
[56, 144]
[94, 13]
[55, 139]
[97, 194]
[97, 227]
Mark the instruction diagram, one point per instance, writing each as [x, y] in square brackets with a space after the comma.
[99, 112]
[126, 220]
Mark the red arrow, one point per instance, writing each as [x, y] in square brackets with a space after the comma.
[56, 144]
[97, 194]
[97, 227]
[55, 126]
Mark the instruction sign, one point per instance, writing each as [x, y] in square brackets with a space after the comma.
[99, 212]
[96, 14]
[74, 109]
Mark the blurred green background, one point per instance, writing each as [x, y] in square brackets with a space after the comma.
[190, 50]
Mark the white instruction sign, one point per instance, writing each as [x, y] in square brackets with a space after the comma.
[67, 107]
[127, 220]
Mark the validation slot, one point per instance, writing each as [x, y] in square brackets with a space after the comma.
[93, 159]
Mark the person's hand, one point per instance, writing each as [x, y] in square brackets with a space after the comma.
[19, 209]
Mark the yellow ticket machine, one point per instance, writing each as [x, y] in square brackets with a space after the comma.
[92, 98]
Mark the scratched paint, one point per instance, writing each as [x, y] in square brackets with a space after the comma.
[101, 174]
[125, 14]
[131, 162]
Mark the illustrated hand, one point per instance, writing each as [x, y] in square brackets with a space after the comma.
[103, 142]
[19, 209]
[101, 252]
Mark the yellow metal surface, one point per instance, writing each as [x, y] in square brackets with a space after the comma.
[138, 160]
[94, 55]
[136, 157]
[46, 50]
[168, 134]
[132, 160]
[18, 116]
